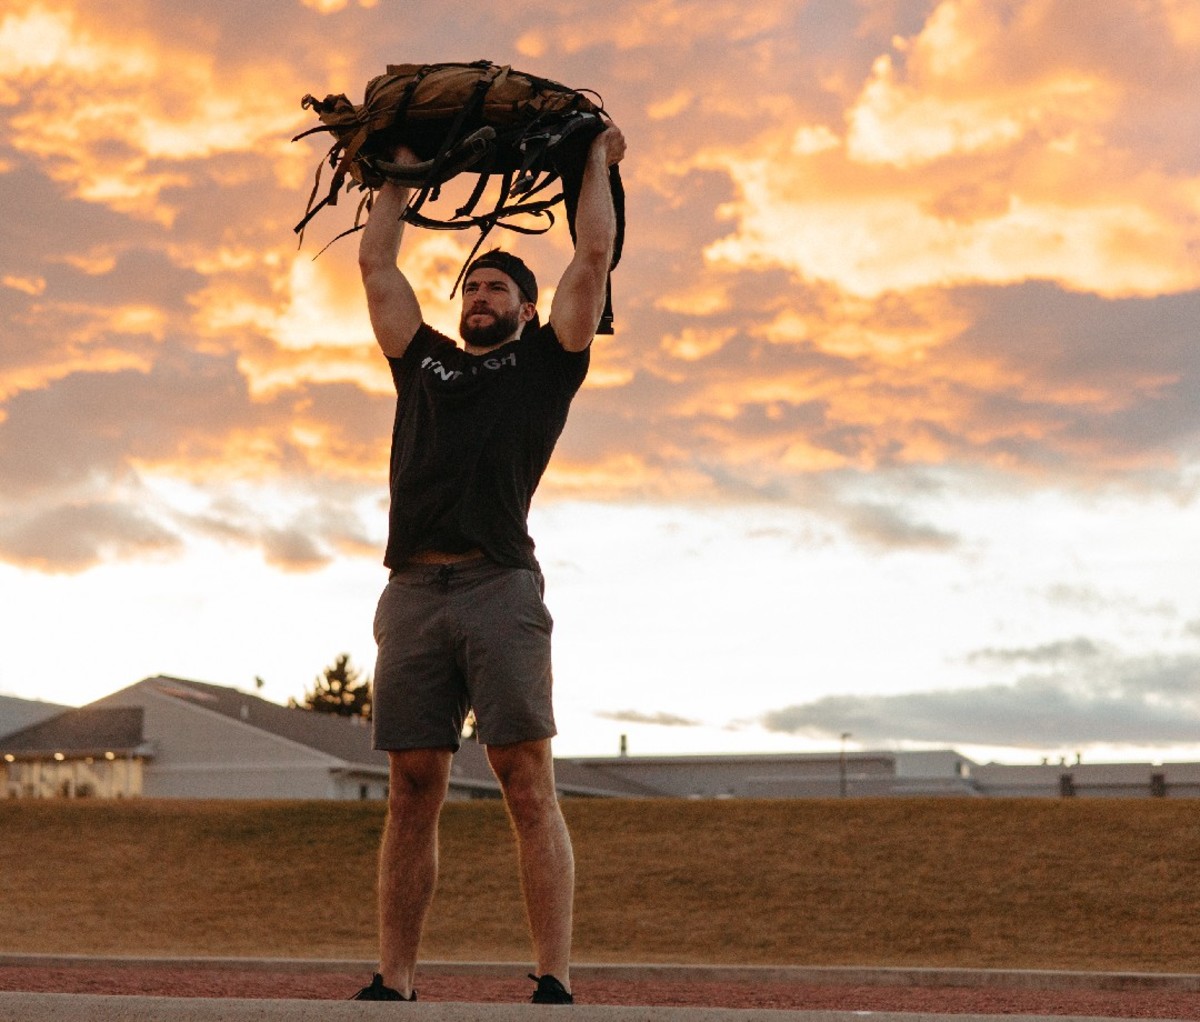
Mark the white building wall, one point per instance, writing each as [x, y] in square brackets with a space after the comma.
[73, 778]
[357, 786]
[932, 764]
[759, 776]
[1182, 779]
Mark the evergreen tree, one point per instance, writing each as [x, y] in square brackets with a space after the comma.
[338, 690]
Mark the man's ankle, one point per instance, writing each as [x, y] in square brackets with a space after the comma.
[550, 990]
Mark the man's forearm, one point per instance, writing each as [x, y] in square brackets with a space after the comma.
[392, 303]
[379, 245]
[595, 218]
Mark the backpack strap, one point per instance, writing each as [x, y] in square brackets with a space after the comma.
[570, 160]
[492, 73]
[477, 146]
[485, 173]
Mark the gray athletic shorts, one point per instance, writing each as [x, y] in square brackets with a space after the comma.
[451, 638]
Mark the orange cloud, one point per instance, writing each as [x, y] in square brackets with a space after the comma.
[978, 151]
[879, 244]
[83, 338]
[118, 117]
[1180, 17]
[28, 285]
[888, 332]
[838, 254]
[648, 24]
[692, 344]
[333, 6]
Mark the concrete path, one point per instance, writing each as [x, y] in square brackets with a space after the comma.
[93, 1008]
[1011, 979]
[35, 1007]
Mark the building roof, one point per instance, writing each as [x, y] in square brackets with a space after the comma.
[350, 739]
[116, 724]
[17, 714]
[98, 728]
[588, 777]
[90, 731]
[470, 770]
[737, 759]
[343, 738]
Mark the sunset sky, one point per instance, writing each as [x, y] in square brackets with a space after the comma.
[898, 435]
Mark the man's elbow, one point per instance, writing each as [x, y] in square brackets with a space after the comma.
[375, 271]
[375, 284]
[369, 263]
[595, 252]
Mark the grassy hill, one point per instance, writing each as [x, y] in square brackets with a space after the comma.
[1108, 885]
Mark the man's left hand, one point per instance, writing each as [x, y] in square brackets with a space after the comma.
[611, 141]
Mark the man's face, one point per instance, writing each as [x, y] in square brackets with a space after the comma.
[493, 310]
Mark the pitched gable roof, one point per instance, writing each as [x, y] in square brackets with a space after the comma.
[90, 731]
[343, 738]
[98, 728]
[17, 714]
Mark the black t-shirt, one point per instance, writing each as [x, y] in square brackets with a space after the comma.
[473, 435]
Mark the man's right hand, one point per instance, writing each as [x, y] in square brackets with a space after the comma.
[402, 154]
[391, 301]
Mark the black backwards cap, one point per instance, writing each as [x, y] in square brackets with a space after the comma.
[511, 265]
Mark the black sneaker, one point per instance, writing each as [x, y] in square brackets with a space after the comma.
[550, 991]
[378, 992]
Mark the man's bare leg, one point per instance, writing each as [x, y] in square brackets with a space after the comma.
[408, 858]
[547, 863]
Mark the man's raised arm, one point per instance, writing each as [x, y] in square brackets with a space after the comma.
[391, 301]
[579, 300]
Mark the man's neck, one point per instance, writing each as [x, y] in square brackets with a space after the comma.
[474, 349]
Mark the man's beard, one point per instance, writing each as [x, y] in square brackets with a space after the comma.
[496, 331]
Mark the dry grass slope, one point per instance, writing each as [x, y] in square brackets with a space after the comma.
[1004, 884]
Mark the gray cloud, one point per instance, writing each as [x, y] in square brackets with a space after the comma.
[890, 527]
[72, 538]
[638, 717]
[326, 525]
[95, 424]
[1063, 651]
[72, 455]
[1139, 700]
[1071, 341]
[293, 550]
[1093, 600]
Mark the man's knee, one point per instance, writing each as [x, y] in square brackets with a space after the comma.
[526, 775]
[418, 780]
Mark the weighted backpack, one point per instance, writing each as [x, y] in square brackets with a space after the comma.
[480, 118]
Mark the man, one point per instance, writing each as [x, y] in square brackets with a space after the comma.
[461, 625]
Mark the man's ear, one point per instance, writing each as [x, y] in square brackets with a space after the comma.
[526, 312]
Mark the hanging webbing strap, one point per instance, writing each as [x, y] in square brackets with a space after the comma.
[524, 133]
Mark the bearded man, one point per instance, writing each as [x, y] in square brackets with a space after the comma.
[461, 626]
